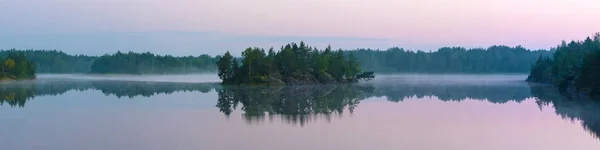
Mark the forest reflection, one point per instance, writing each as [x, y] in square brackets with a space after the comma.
[18, 93]
[299, 105]
[294, 104]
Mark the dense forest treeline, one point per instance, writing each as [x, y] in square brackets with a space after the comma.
[53, 61]
[148, 63]
[495, 59]
[574, 67]
[16, 66]
[292, 64]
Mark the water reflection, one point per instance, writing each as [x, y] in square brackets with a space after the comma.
[580, 108]
[295, 104]
[300, 105]
[495, 93]
[18, 93]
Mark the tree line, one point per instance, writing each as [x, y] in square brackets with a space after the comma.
[574, 67]
[292, 64]
[53, 61]
[494, 59]
[148, 63]
[15, 67]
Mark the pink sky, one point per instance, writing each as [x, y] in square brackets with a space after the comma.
[416, 24]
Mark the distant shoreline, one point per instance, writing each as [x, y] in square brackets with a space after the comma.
[8, 80]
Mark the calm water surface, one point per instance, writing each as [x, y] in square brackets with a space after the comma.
[425, 112]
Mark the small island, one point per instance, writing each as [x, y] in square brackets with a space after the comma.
[16, 67]
[294, 64]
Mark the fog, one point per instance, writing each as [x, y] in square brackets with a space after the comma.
[185, 78]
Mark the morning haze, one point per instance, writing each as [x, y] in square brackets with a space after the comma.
[300, 74]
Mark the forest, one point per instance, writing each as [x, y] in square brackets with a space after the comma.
[292, 64]
[16, 67]
[53, 61]
[495, 59]
[148, 63]
[574, 67]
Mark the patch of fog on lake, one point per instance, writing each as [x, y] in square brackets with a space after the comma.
[194, 78]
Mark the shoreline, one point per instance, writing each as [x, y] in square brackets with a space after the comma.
[6, 80]
[9, 80]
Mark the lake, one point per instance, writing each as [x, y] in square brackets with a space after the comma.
[412, 112]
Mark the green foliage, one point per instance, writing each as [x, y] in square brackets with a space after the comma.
[540, 71]
[495, 59]
[293, 64]
[353, 67]
[574, 67]
[52, 61]
[16, 67]
[148, 63]
[225, 67]
[587, 81]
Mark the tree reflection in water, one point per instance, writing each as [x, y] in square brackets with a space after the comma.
[299, 105]
[294, 104]
[18, 93]
[577, 107]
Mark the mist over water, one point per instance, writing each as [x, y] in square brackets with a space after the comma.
[404, 111]
[452, 79]
[186, 78]
[387, 78]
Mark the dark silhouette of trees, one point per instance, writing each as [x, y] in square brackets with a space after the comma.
[495, 59]
[52, 61]
[574, 67]
[293, 64]
[148, 63]
[225, 65]
[293, 60]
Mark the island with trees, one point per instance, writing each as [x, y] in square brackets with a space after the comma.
[16, 67]
[293, 64]
[574, 67]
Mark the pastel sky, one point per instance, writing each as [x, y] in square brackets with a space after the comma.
[192, 27]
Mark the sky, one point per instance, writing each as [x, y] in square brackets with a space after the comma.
[194, 27]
